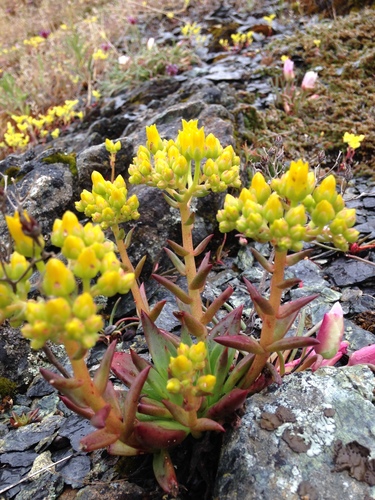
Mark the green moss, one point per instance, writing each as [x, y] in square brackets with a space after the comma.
[345, 62]
[7, 387]
[68, 159]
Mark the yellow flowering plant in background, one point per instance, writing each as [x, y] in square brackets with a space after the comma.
[197, 380]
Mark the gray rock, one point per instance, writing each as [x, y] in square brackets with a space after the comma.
[25, 437]
[288, 442]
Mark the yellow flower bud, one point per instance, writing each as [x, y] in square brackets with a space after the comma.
[323, 213]
[38, 332]
[92, 234]
[298, 182]
[57, 311]
[339, 203]
[58, 279]
[87, 265]
[348, 215]
[84, 306]
[273, 208]
[206, 383]
[297, 232]
[351, 235]
[210, 168]
[296, 215]
[93, 324]
[23, 244]
[17, 267]
[112, 147]
[279, 228]
[72, 247]
[191, 140]
[326, 190]
[98, 183]
[246, 195]
[108, 283]
[198, 352]
[174, 386]
[154, 142]
[183, 349]
[126, 281]
[260, 187]
[212, 146]
[181, 367]
[6, 296]
[74, 329]
[69, 224]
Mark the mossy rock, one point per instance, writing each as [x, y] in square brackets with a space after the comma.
[7, 387]
[332, 7]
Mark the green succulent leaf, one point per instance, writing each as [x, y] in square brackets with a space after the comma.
[161, 348]
[165, 473]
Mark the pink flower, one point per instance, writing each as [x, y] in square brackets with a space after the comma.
[331, 332]
[363, 356]
[288, 70]
[309, 80]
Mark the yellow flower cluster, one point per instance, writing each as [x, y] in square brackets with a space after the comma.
[168, 164]
[18, 136]
[354, 141]
[34, 41]
[60, 319]
[23, 243]
[89, 254]
[239, 40]
[290, 211]
[12, 298]
[186, 368]
[108, 203]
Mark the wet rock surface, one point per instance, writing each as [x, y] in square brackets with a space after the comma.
[211, 93]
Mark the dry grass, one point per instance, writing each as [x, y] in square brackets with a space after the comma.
[54, 54]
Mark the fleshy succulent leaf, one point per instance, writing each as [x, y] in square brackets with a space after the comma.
[178, 413]
[161, 348]
[165, 473]
[148, 406]
[178, 264]
[261, 304]
[202, 245]
[173, 288]
[292, 343]
[288, 283]
[102, 373]
[157, 309]
[229, 325]
[156, 382]
[200, 278]
[121, 449]
[294, 258]
[206, 424]
[194, 326]
[238, 372]
[84, 412]
[123, 368]
[130, 404]
[241, 343]
[228, 404]
[139, 267]
[213, 308]
[178, 249]
[262, 261]
[159, 434]
[98, 439]
[295, 306]
[98, 420]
